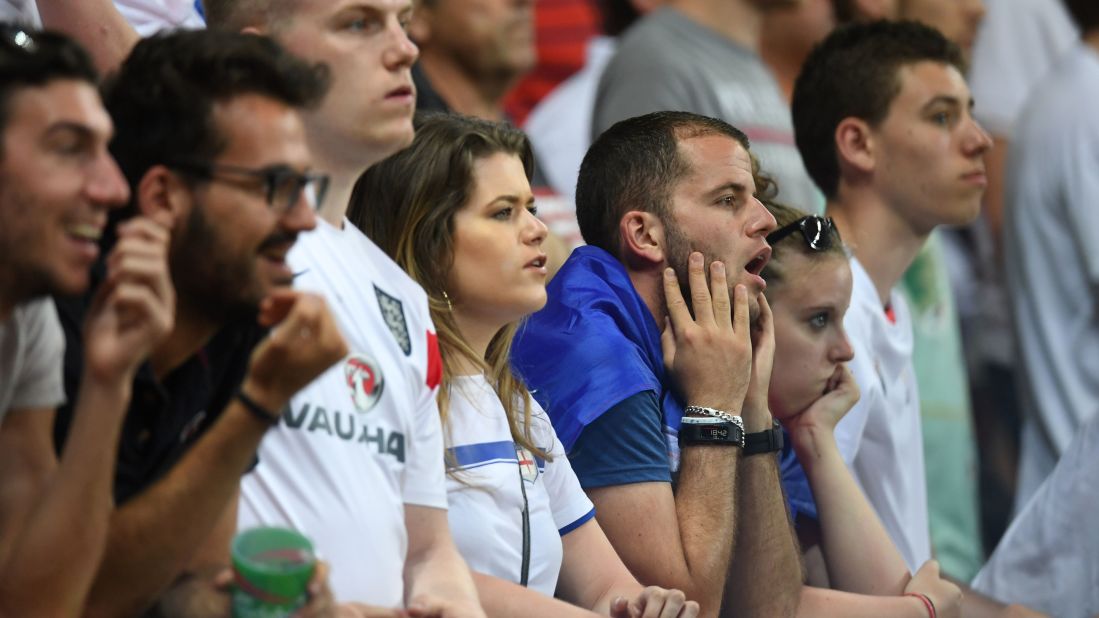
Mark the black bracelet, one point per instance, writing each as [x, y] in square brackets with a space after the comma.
[766, 441]
[257, 410]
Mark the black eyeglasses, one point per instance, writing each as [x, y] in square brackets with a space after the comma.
[817, 232]
[283, 184]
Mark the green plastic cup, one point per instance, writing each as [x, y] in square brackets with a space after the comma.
[271, 571]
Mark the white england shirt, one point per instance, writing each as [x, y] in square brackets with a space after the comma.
[881, 438]
[486, 498]
[364, 438]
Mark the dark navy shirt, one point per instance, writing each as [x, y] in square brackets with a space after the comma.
[165, 417]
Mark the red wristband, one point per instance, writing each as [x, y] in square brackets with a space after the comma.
[926, 603]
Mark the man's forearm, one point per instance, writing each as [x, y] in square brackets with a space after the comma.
[95, 24]
[765, 571]
[153, 536]
[705, 504]
[79, 487]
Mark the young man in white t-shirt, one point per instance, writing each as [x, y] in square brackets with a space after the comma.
[882, 117]
[358, 461]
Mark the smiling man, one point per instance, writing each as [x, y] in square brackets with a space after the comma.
[57, 185]
[883, 122]
[666, 204]
[209, 137]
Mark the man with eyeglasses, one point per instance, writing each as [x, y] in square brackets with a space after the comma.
[57, 184]
[209, 136]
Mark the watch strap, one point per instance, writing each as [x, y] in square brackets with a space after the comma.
[766, 441]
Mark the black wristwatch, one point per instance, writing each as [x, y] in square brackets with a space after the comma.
[766, 441]
[709, 431]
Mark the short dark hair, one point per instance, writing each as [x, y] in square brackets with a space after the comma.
[1085, 13]
[162, 99]
[854, 73]
[634, 165]
[30, 58]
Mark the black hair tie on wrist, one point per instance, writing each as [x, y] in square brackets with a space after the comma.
[257, 410]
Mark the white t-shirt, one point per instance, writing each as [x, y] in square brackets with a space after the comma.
[1049, 557]
[364, 438]
[1019, 41]
[150, 16]
[881, 436]
[486, 499]
[32, 351]
[1052, 261]
[560, 133]
[23, 12]
[146, 16]
[560, 125]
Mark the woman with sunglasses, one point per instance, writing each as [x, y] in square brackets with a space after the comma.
[847, 549]
[456, 211]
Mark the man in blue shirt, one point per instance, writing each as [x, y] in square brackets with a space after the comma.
[646, 391]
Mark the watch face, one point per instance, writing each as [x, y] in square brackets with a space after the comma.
[712, 432]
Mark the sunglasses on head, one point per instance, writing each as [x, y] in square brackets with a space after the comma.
[816, 230]
[19, 37]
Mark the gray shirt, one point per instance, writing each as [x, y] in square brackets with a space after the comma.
[32, 349]
[1052, 260]
[669, 62]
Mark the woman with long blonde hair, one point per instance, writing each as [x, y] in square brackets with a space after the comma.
[456, 211]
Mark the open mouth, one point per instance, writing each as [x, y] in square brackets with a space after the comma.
[538, 262]
[403, 91]
[755, 266]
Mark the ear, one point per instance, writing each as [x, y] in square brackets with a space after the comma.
[642, 235]
[162, 194]
[854, 146]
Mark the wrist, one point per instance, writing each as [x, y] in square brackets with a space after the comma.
[730, 407]
[107, 384]
[926, 606]
[710, 430]
[767, 441]
[810, 439]
[263, 397]
[756, 418]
